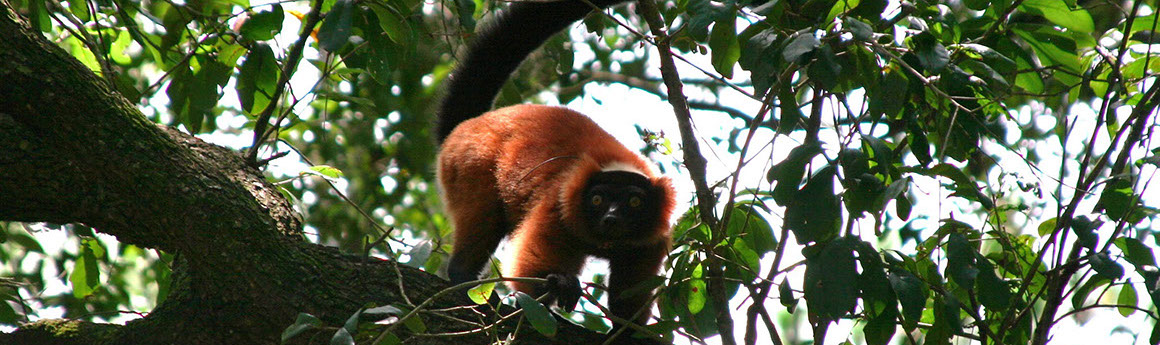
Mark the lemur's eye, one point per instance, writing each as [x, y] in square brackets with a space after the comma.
[597, 200]
[634, 202]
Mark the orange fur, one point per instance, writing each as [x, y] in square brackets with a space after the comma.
[521, 171]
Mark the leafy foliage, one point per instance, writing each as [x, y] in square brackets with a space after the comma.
[958, 169]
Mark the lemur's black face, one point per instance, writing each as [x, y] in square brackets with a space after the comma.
[619, 204]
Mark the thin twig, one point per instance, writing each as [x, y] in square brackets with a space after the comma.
[694, 162]
[288, 67]
[443, 292]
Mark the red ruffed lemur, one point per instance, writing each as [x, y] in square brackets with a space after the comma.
[549, 178]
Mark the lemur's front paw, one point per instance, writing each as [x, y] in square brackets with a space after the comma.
[565, 289]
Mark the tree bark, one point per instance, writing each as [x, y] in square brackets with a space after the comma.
[72, 150]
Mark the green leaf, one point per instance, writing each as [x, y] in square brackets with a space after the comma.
[1105, 266]
[815, 215]
[1154, 338]
[817, 11]
[9, 315]
[1031, 82]
[890, 94]
[879, 300]
[86, 275]
[1135, 252]
[1139, 68]
[785, 293]
[919, 145]
[903, 206]
[391, 339]
[701, 13]
[26, 241]
[466, 11]
[825, 70]
[977, 5]
[912, 294]
[415, 324]
[702, 325]
[336, 28]
[80, 9]
[723, 44]
[741, 264]
[258, 79]
[595, 23]
[206, 90]
[81, 275]
[263, 25]
[791, 116]
[419, 254]
[1054, 48]
[229, 53]
[303, 323]
[1047, 227]
[1152, 159]
[194, 94]
[117, 49]
[95, 246]
[664, 328]
[697, 295]
[954, 174]
[754, 229]
[893, 191]
[1119, 201]
[995, 82]
[947, 318]
[1085, 231]
[383, 55]
[759, 55]
[829, 284]
[1079, 299]
[800, 48]
[539, 316]
[342, 337]
[863, 194]
[393, 24]
[1126, 300]
[880, 330]
[839, 7]
[961, 265]
[1059, 13]
[963, 186]
[869, 9]
[860, 30]
[327, 171]
[40, 17]
[994, 293]
[351, 323]
[854, 163]
[383, 312]
[878, 150]
[788, 173]
[991, 57]
[480, 293]
[932, 55]
[695, 289]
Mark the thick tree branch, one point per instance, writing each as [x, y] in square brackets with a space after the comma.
[75, 151]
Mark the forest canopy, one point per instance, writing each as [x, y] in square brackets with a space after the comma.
[862, 171]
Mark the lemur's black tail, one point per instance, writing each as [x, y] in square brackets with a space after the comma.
[497, 49]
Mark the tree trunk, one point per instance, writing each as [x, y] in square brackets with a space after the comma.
[72, 150]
